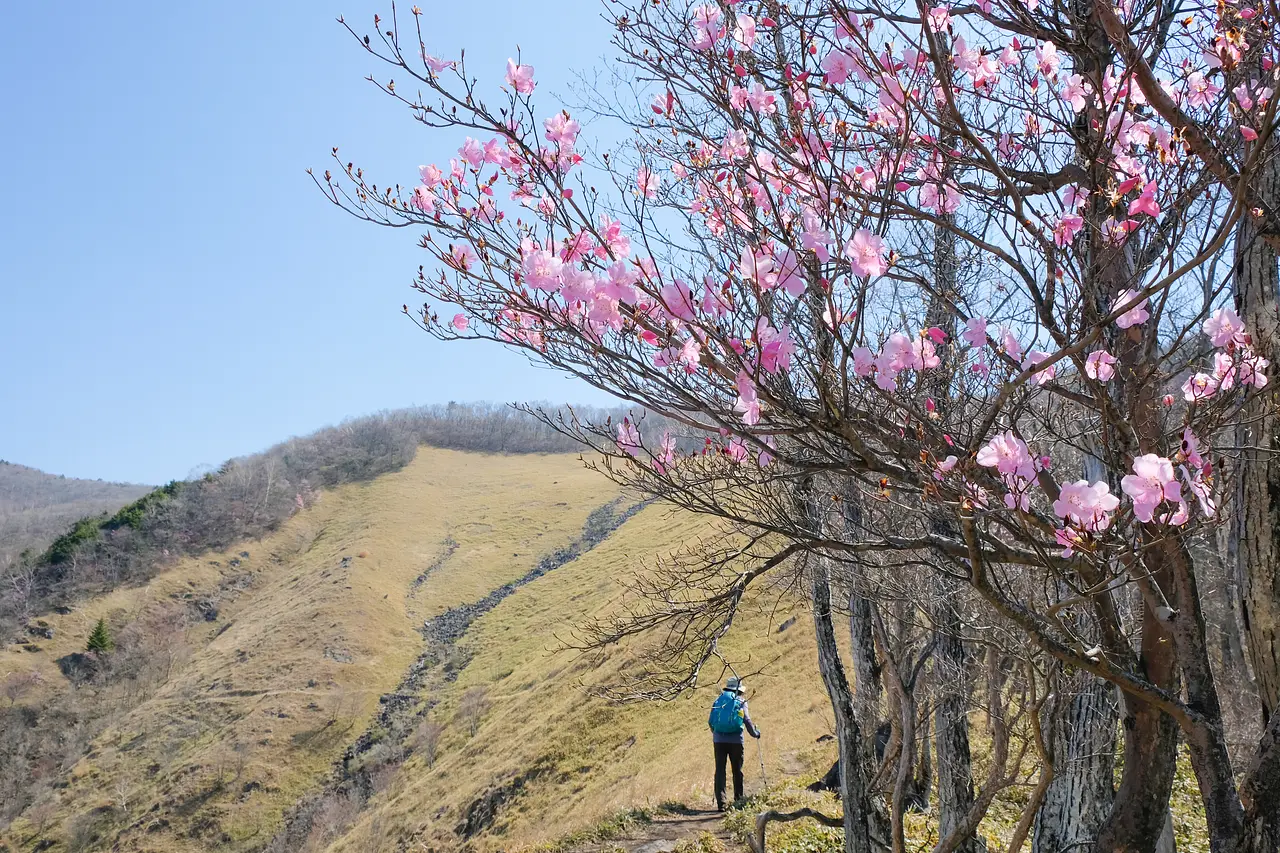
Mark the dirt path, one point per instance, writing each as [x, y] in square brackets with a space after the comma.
[666, 831]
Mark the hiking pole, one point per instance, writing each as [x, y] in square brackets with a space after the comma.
[760, 755]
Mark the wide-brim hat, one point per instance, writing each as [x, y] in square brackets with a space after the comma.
[736, 685]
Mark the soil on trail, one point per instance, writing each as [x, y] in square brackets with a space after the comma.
[666, 831]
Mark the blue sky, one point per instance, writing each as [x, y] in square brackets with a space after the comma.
[173, 291]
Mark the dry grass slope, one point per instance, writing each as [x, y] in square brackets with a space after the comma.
[304, 643]
[323, 618]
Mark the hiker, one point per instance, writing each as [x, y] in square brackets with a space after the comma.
[728, 718]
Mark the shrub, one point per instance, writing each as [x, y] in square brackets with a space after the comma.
[65, 546]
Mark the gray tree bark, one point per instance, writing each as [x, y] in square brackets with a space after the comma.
[1257, 520]
[1082, 739]
[853, 784]
[953, 680]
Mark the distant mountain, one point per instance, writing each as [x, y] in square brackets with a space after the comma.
[35, 507]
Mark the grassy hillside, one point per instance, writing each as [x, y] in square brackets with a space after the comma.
[35, 506]
[311, 649]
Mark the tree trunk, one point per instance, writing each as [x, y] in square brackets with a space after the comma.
[1260, 794]
[1082, 738]
[1167, 842]
[1257, 520]
[953, 682]
[1150, 749]
[866, 673]
[853, 784]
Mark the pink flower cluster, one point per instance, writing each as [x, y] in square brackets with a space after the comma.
[900, 353]
[1236, 364]
[1012, 459]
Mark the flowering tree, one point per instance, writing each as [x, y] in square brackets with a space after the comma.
[950, 287]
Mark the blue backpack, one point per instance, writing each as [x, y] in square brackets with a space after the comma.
[726, 714]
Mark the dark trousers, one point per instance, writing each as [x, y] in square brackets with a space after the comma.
[732, 752]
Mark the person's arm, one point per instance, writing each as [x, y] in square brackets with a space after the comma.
[746, 718]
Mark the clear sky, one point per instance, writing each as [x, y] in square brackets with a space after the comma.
[173, 290]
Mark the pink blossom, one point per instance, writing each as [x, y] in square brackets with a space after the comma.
[431, 176]
[541, 269]
[975, 331]
[898, 353]
[678, 300]
[1088, 506]
[436, 64]
[1135, 316]
[424, 199]
[734, 145]
[789, 275]
[1100, 365]
[666, 455]
[628, 438]
[757, 267]
[561, 130]
[1116, 231]
[866, 254]
[814, 237]
[1073, 197]
[713, 302]
[863, 362]
[944, 467]
[1033, 358]
[462, 256]
[765, 459]
[837, 66]
[1225, 327]
[648, 182]
[459, 322]
[737, 450]
[1201, 91]
[762, 100]
[1064, 233]
[1151, 482]
[776, 346]
[1145, 203]
[473, 152]
[1011, 345]
[615, 241]
[737, 97]
[520, 77]
[1008, 454]
[707, 27]
[1200, 488]
[1069, 540]
[1253, 370]
[1075, 93]
[1199, 386]
[939, 18]
[744, 31]
[924, 356]
[1191, 448]
[1047, 59]
[748, 403]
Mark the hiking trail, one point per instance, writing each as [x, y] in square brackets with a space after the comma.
[666, 831]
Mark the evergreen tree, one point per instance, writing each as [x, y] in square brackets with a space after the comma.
[100, 640]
